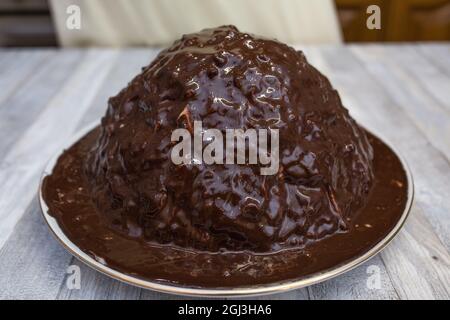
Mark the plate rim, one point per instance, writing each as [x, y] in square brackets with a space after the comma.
[245, 291]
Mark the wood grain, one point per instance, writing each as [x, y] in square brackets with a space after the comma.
[22, 165]
[373, 105]
[399, 92]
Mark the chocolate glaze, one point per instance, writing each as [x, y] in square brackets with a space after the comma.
[66, 193]
[117, 195]
[229, 79]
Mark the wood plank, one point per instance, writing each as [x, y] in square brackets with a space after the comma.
[376, 111]
[22, 166]
[437, 54]
[117, 78]
[406, 91]
[353, 285]
[32, 263]
[31, 96]
[15, 68]
[418, 141]
[417, 255]
[96, 286]
[432, 81]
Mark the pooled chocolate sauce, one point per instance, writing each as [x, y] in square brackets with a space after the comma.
[119, 197]
[66, 193]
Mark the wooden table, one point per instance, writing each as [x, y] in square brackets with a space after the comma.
[401, 93]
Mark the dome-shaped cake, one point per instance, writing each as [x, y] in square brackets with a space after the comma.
[229, 80]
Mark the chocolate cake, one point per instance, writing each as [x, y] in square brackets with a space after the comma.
[228, 79]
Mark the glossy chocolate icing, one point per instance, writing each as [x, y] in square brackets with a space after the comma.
[67, 195]
[228, 79]
[117, 195]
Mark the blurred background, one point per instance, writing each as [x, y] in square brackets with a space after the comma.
[156, 22]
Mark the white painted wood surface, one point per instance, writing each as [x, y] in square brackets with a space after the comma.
[400, 92]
